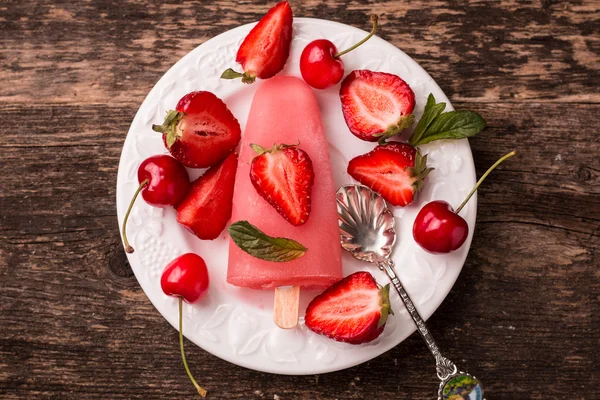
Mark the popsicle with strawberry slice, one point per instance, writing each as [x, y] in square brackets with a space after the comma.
[285, 110]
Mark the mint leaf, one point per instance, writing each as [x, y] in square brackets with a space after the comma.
[260, 245]
[431, 112]
[453, 125]
[436, 124]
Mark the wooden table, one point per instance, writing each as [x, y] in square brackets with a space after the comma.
[524, 314]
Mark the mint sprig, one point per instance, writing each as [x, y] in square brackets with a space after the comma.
[436, 124]
[260, 245]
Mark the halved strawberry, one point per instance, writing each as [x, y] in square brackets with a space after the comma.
[394, 170]
[353, 310]
[201, 131]
[376, 105]
[265, 50]
[207, 207]
[283, 175]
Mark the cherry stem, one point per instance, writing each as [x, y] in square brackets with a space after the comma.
[373, 20]
[128, 247]
[201, 391]
[480, 181]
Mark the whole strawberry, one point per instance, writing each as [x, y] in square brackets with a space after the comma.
[353, 310]
[283, 175]
[376, 105]
[201, 131]
[265, 50]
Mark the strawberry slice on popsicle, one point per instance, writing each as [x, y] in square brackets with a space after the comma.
[284, 177]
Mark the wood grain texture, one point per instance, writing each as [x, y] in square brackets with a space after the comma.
[524, 314]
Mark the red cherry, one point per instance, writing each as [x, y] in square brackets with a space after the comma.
[186, 277]
[319, 66]
[320, 63]
[164, 181]
[168, 180]
[438, 228]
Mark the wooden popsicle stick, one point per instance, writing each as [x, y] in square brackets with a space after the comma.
[285, 308]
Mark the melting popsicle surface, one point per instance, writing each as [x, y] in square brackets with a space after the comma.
[285, 110]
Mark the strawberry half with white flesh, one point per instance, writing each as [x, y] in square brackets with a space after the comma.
[397, 170]
[207, 207]
[201, 131]
[376, 105]
[283, 175]
[394, 170]
[265, 50]
[353, 310]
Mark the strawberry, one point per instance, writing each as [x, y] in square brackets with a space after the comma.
[265, 50]
[394, 170]
[207, 207]
[201, 131]
[376, 105]
[353, 310]
[284, 177]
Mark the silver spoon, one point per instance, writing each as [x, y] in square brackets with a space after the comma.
[367, 232]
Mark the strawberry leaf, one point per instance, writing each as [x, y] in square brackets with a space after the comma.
[395, 129]
[229, 73]
[258, 149]
[437, 125]
[169, 126]
[386, 308]
[419, 171]
[260, 245]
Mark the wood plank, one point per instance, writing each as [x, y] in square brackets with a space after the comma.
[114, 51]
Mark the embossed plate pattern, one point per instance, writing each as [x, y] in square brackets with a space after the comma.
[236, 324]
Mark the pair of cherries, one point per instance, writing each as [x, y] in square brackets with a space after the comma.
[164, 181]
[438, 228]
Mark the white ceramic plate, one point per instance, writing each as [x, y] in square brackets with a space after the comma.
[236, 324]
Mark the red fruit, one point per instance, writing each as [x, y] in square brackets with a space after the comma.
[186, 277]
[163, 182]
[207, 207]
[168, 180]
[320, 63]
[265, 50]
[376, 105]
[438, 229]
[284, 177]
[394, 170]
[353, 310]
[201, 131]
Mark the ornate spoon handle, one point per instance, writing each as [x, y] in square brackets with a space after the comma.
[445, 367]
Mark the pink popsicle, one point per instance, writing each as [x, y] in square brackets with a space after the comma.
[285, 110]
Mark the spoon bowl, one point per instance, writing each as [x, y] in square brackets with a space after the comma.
[366, 224]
